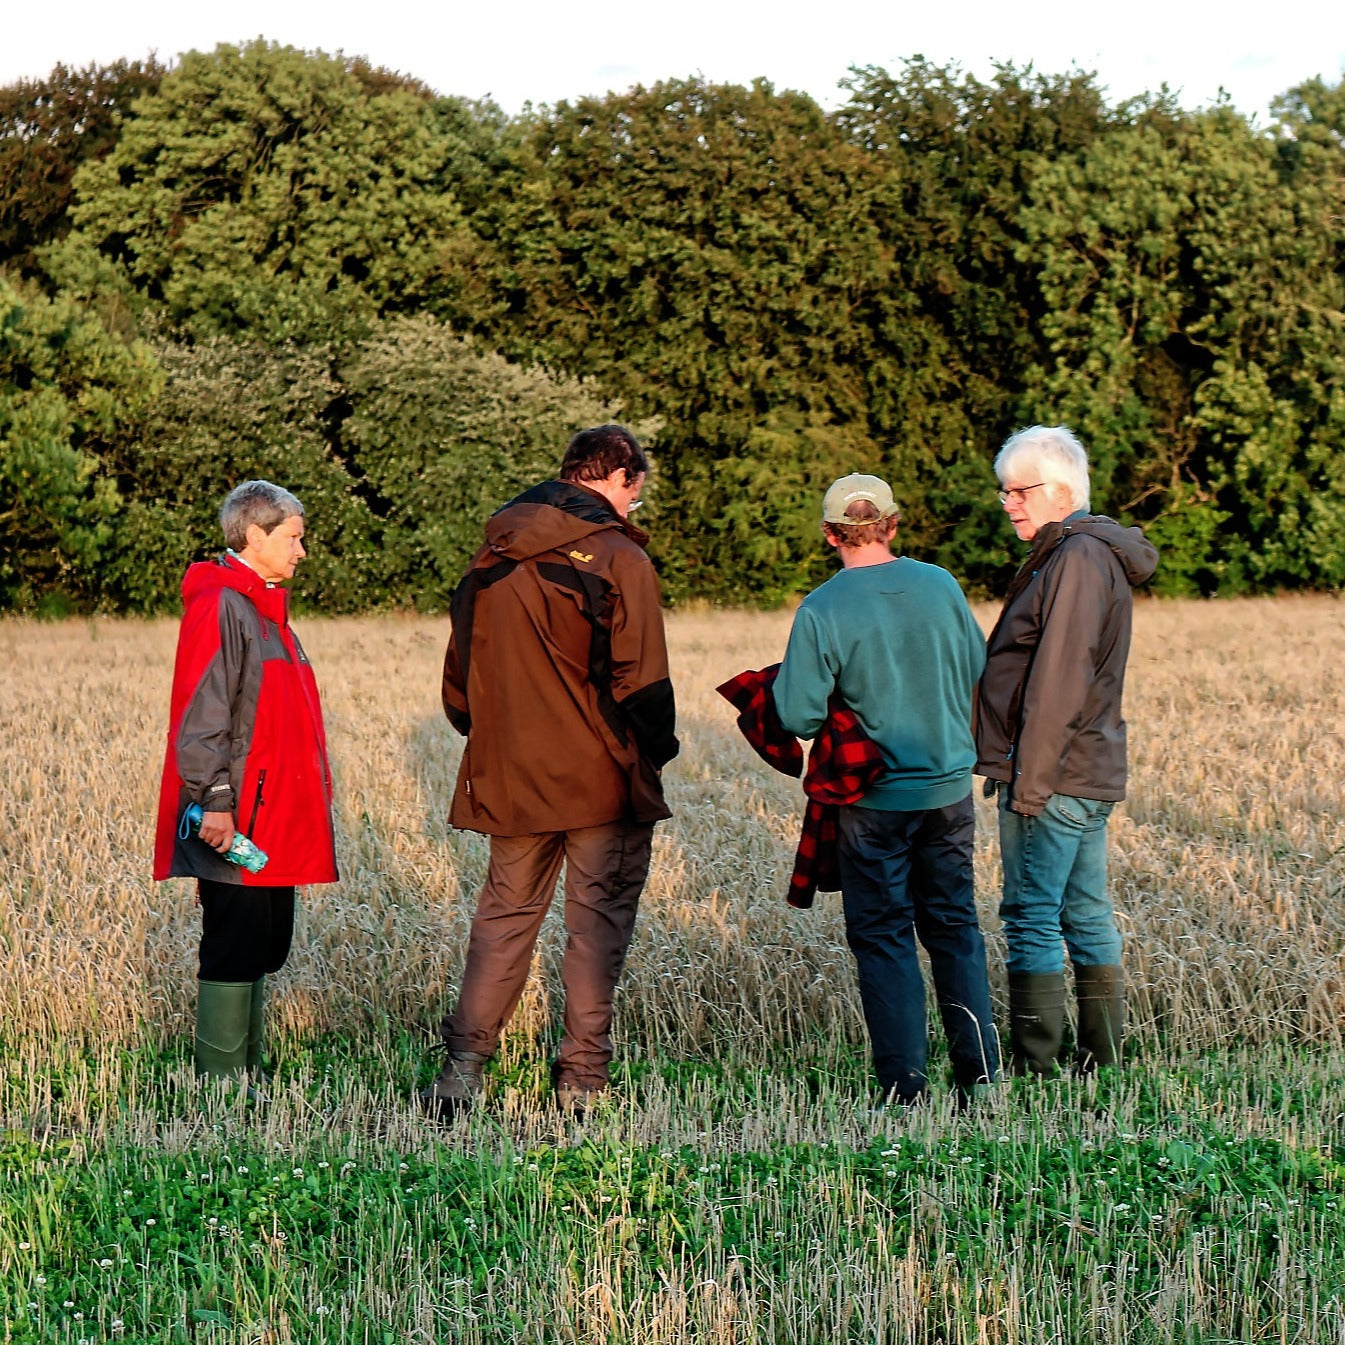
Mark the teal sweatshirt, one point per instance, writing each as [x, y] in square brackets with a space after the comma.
[900, 645]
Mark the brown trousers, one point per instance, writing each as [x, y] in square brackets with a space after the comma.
[605, 871]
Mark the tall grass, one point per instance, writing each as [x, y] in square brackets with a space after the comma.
[1228, 860]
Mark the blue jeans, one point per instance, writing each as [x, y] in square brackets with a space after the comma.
[1055, 886]
[905, 874]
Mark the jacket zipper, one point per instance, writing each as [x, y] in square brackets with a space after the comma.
[256, 802]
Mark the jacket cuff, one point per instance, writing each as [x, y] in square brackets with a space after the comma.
[218, 798]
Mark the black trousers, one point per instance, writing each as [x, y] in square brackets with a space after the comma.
[245, 931]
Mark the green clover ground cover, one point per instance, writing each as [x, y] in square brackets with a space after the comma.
[236, 1240]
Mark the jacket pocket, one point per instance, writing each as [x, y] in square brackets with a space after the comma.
[257, 800]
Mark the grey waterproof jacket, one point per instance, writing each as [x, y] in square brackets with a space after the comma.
[1047, 717]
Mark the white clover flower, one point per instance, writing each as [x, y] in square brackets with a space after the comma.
[69, 1303]
[1122, 1209]
[118, 1326]
[105, 1263]
[41, 1279]
[128, 1194]
[24, 1246]
[243, 1172]
[298, 1172]
[324, 1165]
[212, 1223]
[149, 1223]
[322, 1310]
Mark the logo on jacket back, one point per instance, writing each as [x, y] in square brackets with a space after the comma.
[579, 555]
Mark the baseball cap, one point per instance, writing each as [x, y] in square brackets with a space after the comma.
[843, 493]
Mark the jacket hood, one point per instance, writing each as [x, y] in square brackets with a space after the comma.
[1137, 554]
[209, 576]
[549, 516]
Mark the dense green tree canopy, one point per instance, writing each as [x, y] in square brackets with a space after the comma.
[265, 190]
[403, 303]
[67, 389]
[48, 128]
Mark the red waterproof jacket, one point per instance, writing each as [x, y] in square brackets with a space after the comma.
[245, 734]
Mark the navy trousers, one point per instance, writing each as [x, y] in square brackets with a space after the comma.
[906, 875]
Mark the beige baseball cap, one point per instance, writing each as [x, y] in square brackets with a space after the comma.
[843, 493]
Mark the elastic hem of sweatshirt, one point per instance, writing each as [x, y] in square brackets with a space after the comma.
[917, 798]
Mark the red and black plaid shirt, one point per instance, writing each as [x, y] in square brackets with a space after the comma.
[843, 763]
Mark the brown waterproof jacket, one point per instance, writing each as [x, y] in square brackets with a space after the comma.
[1047, 714]
[557, 671]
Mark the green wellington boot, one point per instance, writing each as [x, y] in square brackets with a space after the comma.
[1101, 1017]
[256, 1028]
[223, 1010]
[1036, 1021]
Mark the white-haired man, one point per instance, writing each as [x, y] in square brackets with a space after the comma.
[1051, 740]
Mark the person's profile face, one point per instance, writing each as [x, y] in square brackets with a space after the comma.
[276, 553]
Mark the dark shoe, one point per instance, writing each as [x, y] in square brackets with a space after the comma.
[893, 1099]
[222, 1012]
[456, 1087]
[574, 1099]
[1036, 1022]
[967, 1097]
[1101, 1017]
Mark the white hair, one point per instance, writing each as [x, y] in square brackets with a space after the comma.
[1050, 453]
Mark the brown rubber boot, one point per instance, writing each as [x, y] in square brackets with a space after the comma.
[1036, 1022]
[1101, 1017]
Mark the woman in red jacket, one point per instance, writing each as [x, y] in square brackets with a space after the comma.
[245, 744]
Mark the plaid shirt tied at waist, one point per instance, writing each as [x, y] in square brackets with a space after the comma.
[843, 764]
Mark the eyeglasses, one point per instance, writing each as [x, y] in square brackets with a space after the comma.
[1018, 493]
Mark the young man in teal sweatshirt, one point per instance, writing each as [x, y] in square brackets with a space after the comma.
[894, 640]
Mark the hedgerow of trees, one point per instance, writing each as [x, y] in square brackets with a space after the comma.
[263, 261]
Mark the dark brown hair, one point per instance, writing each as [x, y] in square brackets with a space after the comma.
[593, 455]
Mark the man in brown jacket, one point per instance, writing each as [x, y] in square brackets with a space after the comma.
[557, 673]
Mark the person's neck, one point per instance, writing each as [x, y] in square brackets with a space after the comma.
[871, 553]
[238, 555]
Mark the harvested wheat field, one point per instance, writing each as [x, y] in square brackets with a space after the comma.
[736, 1187]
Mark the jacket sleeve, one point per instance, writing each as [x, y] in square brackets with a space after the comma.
[454, 689]
[641, 686]
[1077, 594]
[204, 742]
[807, 677]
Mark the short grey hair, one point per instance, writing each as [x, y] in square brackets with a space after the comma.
[256, 502]
[1051, 453]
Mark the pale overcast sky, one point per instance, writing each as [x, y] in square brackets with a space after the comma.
[545, 50]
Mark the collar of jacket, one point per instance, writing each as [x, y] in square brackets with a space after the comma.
[270, 600]
[576, 498]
